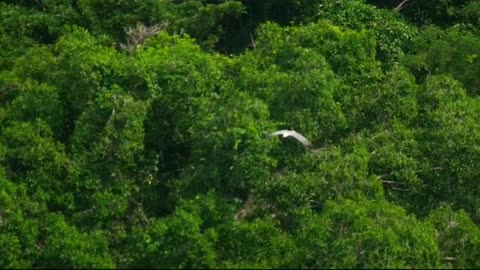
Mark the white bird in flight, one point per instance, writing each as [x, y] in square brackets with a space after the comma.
[292, 133]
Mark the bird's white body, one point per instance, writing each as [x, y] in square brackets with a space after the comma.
[292, 133]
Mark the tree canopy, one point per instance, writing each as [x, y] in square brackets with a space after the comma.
[133, 134]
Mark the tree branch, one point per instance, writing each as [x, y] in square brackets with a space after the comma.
[247, 208]
[400, 189]
[392, 182]
[401, 5]
[254, 45]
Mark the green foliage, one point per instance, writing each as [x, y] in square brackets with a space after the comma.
[174, 242]
[470, 11]
[306, 182]
[302, 73]
[111, 128]
[450, 144]
[453, 51]
[82, 59]
[443, 13]
[130, 137]
[394, 161]
[457, 237]
[63, 246]
[19, 30]
[31, 156]
[107, 148]
[35, 102]
[18, 224]
[256, 244]
[361, 234]
[200, 20]
[393, 34]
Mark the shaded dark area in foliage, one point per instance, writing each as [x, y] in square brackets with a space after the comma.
[133, 134]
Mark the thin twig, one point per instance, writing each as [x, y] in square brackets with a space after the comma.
[137, 35]
[401, 5]
[392, 182]
[111, 118]
[400, 189]
[253, 42]
[247, 208]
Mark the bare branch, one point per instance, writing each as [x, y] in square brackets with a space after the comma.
[400, 189]
[138, 35]
[39, 246]
[112, 115]
[402, 5]
[247, 208]
[392, 182]
[254, 45]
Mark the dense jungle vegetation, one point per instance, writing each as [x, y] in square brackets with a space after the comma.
[133, 134]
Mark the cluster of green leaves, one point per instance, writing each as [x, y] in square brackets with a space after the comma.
[156, 157]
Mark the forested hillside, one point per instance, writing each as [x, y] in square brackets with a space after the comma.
[133, 133]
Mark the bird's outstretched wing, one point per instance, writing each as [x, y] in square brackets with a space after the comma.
[301, 138]
[284, 133]
[287, 133]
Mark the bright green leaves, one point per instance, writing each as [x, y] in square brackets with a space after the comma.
[155, 154]
[454, 51]
[19, 27]
[393, 35]
[394, 161]
[31, 237]
[33, 157]
[11, 248]
[438, 93]
[237, 136]
[108, 148]
[361, 233]
[82, 68]
[205, 22]
[256, 244]
[63, 246]
[381, 103]
[111, 128]
[18, 225]
[173, 242]
[293, 74]
[350, 54]
[180, 80]
[37, 64]
[306, 102]
[36, 102]
[457, 237]
[450, 139]
[393, 99]
[229, 148]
